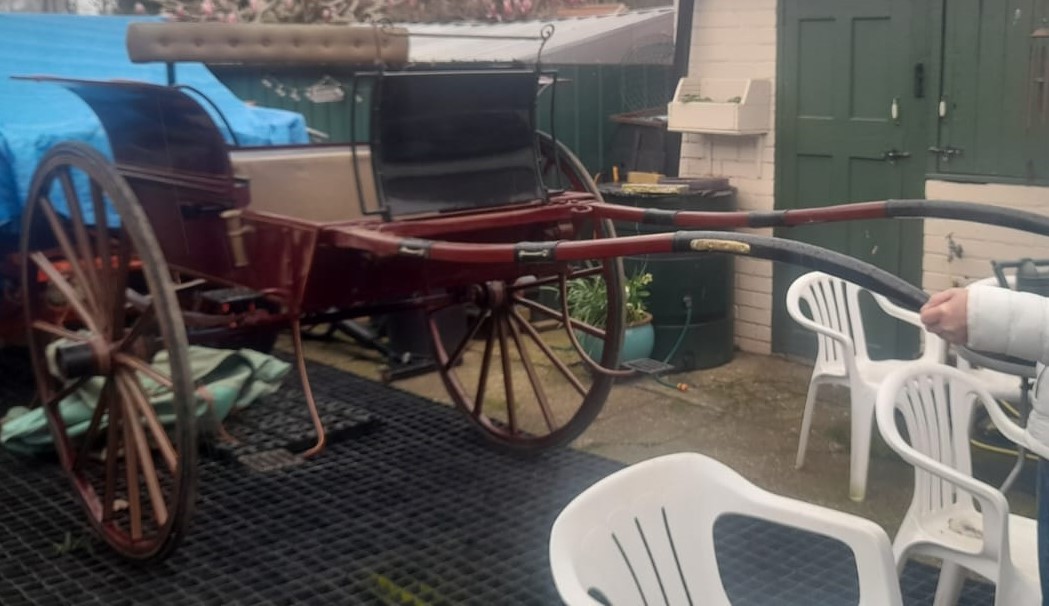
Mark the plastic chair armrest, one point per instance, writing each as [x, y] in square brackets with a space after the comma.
[1013, 431]
[935, 348]
[876, 568]
[890, 308]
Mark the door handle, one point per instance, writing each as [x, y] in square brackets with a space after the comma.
[945, 153]
[894, 154]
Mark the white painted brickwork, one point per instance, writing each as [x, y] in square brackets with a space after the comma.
[737, 39]
[979, 244]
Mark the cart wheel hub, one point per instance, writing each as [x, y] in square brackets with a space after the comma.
[493, 295]
[90, 359]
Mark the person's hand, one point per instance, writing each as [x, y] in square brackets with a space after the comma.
[946, 315]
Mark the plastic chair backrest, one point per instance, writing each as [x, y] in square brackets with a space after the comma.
[645, 535]
[834, 314]
[935, 403]
[832, 304]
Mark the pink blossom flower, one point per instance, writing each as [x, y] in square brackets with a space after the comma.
[231, 18]
[140, 9]
[207, 7]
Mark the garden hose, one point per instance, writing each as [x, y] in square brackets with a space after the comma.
[1002, 450]
[682, 387]
[687, 300]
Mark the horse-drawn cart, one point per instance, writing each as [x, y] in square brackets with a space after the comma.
[455, 202]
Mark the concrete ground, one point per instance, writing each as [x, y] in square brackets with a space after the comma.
[746, 413]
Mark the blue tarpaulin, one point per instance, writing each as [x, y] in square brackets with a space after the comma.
[34, 116]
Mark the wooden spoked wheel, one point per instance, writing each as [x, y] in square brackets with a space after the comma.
[523, 372]
[527, 374]
[107, 342]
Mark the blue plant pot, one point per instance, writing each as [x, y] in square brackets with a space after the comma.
[638, 342]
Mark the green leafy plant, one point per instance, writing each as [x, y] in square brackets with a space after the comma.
[587, 300]
[70, 545]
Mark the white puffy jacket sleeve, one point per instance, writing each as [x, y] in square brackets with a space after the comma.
[1007, 322]
[1014, 323]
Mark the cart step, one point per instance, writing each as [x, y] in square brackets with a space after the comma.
[280, 423]
[648, 366]
[412, 367]
[230, 296]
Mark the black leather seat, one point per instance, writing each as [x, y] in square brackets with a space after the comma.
[444, 141]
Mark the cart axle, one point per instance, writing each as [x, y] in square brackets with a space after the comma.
[78, 360]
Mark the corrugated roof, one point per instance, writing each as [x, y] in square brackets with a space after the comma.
[608, 39]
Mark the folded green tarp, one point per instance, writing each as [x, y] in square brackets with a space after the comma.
[226, 379]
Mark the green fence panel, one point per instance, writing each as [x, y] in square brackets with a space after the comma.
[585, 98]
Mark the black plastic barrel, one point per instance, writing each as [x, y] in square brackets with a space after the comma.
[703, 337]
[1030, 278]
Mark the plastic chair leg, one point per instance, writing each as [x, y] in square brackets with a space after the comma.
[806, 424]
[949, 589]
[862, 421]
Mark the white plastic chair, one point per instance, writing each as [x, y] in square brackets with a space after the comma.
[645, 535]
[954, 517]
[842, 359]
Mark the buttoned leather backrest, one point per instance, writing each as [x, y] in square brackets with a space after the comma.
[284, 44]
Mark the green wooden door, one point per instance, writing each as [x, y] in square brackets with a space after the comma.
[848, 94]
[995, 118]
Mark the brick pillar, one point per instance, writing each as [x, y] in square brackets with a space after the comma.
[737, 39]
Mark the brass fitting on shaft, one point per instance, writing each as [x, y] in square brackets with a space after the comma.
[235, 230]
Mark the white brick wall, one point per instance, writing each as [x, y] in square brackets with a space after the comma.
[979, 244]
[737, 39]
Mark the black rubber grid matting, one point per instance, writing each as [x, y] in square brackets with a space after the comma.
[758, 559]
[414, 510]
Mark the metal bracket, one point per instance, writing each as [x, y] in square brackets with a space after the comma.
[894, 154]
[729, 246]
[235, 230]
[945, 153]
